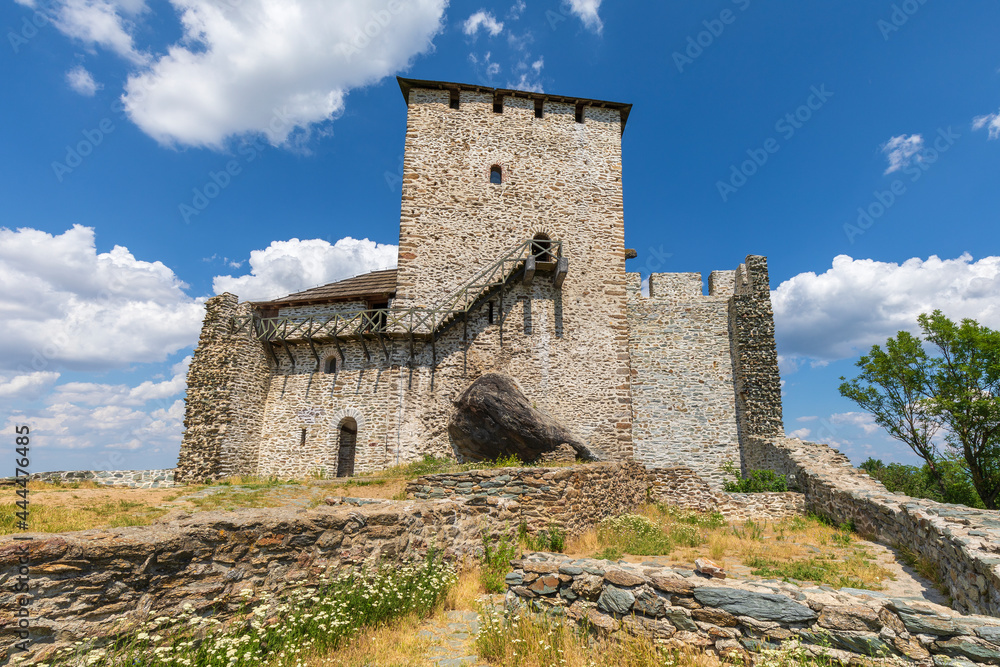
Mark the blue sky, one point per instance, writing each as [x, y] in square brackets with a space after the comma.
[853, 143]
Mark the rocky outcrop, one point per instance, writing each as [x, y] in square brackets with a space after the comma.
[493, 418]
[734, 618]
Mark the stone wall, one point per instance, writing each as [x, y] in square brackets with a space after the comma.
[682, 376]
[574, 498]
[81, 582]
[568, 347]
[755, 357]
[682, 487]
[134, 479]
[732, 618]
[964, 543]
[227, 384]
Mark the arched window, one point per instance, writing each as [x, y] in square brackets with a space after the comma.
[330, 365]
[346, 445]
[496, 175]
[541, 248]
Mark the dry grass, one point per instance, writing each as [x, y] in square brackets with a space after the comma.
[51, 518]
[801, 548]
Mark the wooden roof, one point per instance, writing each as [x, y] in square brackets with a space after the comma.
[377, 285]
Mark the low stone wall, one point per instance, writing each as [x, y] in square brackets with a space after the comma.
[135, 479]
[682, 487]
[732, 618]
[82, 582]
[964, 543]
[573, 498]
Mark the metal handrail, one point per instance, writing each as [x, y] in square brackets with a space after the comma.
[421, 321]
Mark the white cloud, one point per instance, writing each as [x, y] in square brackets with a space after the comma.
[484, 20]
[289, 266]
[273, 67]
[66, 426]
[861, 302]
[105, 23]
[80, 80]
[901, 151]
[27, 386]
[862, 420]
[586, 10]
[807, 418]
[515, 11]
[531, 76]
[90, 393]
[64, 305]
[800, 433]
[992, 121]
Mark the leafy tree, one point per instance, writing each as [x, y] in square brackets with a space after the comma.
[918, 482]
[916, 396]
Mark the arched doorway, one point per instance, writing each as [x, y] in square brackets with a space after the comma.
[346, 446]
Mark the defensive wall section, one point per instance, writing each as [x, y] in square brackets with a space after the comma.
[964, 543]
[704, 367]
[227, 385]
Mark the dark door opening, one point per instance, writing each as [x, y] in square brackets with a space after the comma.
[346, 446]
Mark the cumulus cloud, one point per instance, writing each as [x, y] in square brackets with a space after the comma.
[800, 433]
[80, 80]
[95, 394]
[991, 121]
[515, 11]
[290, 266]
[862, 420]
[902, 150]
[273, 67]
[861, 302]
[482, 20]
[105, 23]
[27, 386]
[586, 11]
[64, 305]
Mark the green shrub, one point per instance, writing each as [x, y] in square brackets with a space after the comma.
[917, 482]
[635, 534]
[757, 481]
[495, 564]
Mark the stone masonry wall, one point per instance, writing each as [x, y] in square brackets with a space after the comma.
[227, 385]
[963, 542]
[682, 487]
[732, 619]
[83, 582]
[134, 479]
[574, 498]
[755, 357]
[682, 376]
[560, 178]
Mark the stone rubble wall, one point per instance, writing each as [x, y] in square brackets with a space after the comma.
[81, 582]
[682, 487]
[227, 385]
[573, 498]
[755, 358]
[133, 479]
[683, 397]
[734, 618]
[963, 542]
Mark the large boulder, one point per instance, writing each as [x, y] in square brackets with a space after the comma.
[493, 418]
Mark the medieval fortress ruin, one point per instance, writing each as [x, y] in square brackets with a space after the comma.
[511, 261]
[511, 325]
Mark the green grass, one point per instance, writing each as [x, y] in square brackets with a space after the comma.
[498, 551]
[818, 569]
